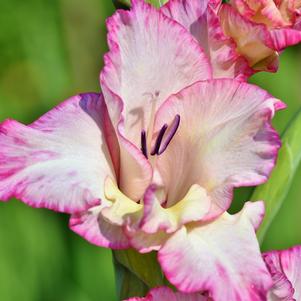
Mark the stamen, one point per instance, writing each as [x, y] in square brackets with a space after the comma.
[159, 140]
[143, 143]
[171, 132]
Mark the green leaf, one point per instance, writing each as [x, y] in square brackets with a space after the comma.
[157, 3]
[277, 188]
[144, 266]
[124, 4]
[127, 284]
[127, 3]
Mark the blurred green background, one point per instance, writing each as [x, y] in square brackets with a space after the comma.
[50, 50]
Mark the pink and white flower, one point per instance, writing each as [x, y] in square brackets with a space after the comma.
[152, 163]
[262, 29]
[285, 268]
[201, 20]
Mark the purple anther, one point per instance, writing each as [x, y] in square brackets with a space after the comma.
[159, 140]
[143, 143]
[169, 135]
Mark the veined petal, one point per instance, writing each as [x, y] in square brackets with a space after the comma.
[94, 228]
[224, 140]
[274, 14]
[285, 268]
[135, 172]
[221, 257]
[243, 8]
[215, 4]
[193, 207]
[200, 19]
[252, 40]
[285, 37]
[150, 58]
[104, 225]
[59, 162]
[165, 293]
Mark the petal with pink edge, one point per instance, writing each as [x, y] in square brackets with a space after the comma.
[94, 228]
[145, 242]
[221, 257]
[151, 57]
[263, 11]
[252, 40]
[285, 268]
[59, 162]
[165, 293]
[199, 18]
[285, 37]
[193, 207]
[225, 126]
[135, 171]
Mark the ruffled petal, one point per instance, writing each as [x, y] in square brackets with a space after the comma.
[145, 242]
[285, 268]
[221, 257]
[285, 37]
[150, 58]
[165, 293]
[224, 140]
[269, 12]
[252, 40]
[199, 18]
[59, 162]
[193, 207]
[120, 209]
[291, 264]
[94, 228]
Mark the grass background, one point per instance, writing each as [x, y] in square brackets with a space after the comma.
[50, 50]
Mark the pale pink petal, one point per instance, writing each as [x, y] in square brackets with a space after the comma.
[243, 8]
[59, 162]
[225, 140]
[221, 257]
[285, 268]
[252, 40]
[268, 13]
[94, 228]
[150, 58]
[135, 172]
[200, 19]
[145, 242]
[166, 294]
[291, 264]
[193, 207]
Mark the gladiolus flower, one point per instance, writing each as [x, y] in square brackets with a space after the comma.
[285, 268]
[201, 20]
[262, 29]
[152, 163]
